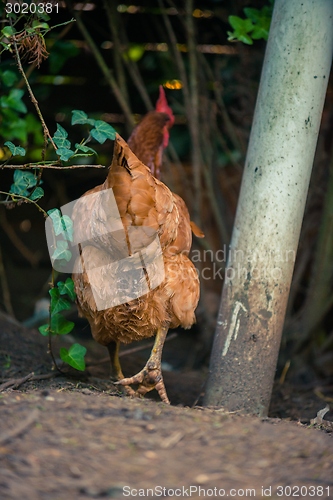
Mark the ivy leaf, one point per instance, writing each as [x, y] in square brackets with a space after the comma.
[55, 215]
[62, 252]
[67, 288]
[37, 24]
[61, 224]
[60, 138]
[74, 356]
[261, 19]
[44, 329]
[81, 118]
[62, 50]
[14, 100]
[241, 29]
[37, 194]
[102, 131]
[58, 303]
[64, 153]
[15, 150]
[85, 149]
[22, 182]
[68, 228]
[60, 325]
[8, 31]
[259, 32]
[9, 78]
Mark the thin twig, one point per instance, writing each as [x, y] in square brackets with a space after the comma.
[104, 68]
[5, 287]
[24, 198]
[114, 22]
[14, 383]
[22, 427]
[32, 97]
[194, 99]
[222, 108]
[27, 166]
[118, 32]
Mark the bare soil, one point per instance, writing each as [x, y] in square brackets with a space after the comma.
[76, 437]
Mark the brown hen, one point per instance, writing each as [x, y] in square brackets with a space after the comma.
[134, 279]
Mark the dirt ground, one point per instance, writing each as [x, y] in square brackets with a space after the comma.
[78, 438]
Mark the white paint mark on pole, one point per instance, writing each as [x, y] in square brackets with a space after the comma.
[234, 326]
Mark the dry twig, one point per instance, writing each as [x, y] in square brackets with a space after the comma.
[14, 383]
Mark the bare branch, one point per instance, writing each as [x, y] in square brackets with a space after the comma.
[27, 166]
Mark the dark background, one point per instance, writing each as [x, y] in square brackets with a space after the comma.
[227, 84]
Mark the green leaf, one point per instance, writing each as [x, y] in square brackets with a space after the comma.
[245, 39]
[8, 31]
[241, 29]
[74, 356]
[67, 288]
[58, 303]
[253, 14]
[64, 153]
[259, 33]
[239, 24]
[37, 193]
[55, 215]
[37, 24]
[67, 225]
[102, 131]
[60, 138]
[44, 329]
[22, 182]
[14, 100]
[60, 325]
[261, 19]
[9, 78]
[6, 46]
[62, 50]
[61, 224]
[15, 150]
[44, 16]
[81, 118]
[85, 149]
[62, 251]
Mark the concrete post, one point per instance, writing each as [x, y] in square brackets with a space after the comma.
[271, 205]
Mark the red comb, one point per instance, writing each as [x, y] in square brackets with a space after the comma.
[163, 107]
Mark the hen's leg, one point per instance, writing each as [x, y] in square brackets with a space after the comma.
[116, 371]
[151, 376]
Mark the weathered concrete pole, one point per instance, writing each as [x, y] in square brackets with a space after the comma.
[271, 205]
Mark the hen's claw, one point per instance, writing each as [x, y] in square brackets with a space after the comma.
[148, 379]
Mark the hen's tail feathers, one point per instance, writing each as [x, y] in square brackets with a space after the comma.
[196, 230]
[123, 156]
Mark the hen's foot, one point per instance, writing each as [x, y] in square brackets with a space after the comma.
[116, 371]
[125, 388]
[148, 379]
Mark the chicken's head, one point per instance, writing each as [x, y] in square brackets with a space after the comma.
[162, 106]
